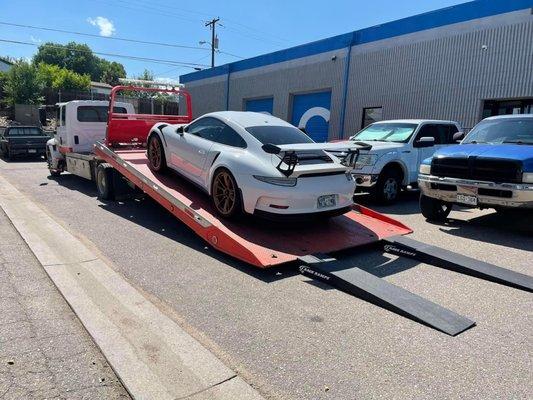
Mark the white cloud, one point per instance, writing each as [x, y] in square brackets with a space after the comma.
[34, 39]
[106, 26]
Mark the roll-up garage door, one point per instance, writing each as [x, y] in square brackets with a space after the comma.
[265, 105]
[311, 111]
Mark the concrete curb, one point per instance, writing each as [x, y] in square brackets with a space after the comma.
[153, 357]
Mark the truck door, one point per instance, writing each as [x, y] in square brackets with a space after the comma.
[61, 128]
[436, 131]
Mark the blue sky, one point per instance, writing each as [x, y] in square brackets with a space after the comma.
[248, 28]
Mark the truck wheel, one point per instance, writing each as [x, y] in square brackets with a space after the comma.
[226, 195]
[104, 181]
[434, 209]
[156, 155]
[388, 186]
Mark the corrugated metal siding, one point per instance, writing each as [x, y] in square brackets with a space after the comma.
[443, 78]
[446, 77]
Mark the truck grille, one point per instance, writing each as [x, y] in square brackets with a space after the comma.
[476, 168]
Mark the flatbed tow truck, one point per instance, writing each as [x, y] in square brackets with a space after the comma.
[122, 156]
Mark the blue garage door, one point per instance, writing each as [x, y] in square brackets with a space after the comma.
[311, 111]
[260, 105]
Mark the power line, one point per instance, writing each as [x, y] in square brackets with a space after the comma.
[103, 37]
[136, 58]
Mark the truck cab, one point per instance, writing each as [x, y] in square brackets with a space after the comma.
[398, 148]
[491, 168]
[81, 123]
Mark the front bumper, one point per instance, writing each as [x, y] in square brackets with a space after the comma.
[365, 180]
[300, 199]
[488, 194]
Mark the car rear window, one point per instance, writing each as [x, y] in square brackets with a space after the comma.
[25, 131]
[278, 135]
[96, 113]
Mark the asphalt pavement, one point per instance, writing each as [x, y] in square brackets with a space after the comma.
[291, 337]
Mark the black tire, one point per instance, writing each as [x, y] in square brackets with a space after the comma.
[434, 209]
[225, 195]
[105, 182]
[156, 155]
[388, 186]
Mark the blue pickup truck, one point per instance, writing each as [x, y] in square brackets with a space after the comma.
[491, 168]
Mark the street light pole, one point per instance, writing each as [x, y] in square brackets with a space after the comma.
[212, 23]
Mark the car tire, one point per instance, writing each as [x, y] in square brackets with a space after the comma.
[156, 154]
[388, 186]
[226, 195]
[434, 209]
[104, 181]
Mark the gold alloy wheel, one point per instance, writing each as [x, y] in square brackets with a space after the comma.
[224, 193]
[154, 154]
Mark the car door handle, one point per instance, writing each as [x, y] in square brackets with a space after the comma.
[201, 151]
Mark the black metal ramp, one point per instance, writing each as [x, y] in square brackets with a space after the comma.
[378, 291]
[404, 246]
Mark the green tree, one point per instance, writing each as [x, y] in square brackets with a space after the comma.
[57, 78]
[78, 58]
[23, 85]
[3, 83]
[112, 72]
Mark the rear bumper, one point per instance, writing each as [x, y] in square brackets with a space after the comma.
[29, 151]
[489, 194]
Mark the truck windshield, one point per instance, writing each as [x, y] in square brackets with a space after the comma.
[505, 130]
[386, 132]
[25, 131]
[279, 135]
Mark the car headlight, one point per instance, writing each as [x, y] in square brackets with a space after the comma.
[366, 160]
[527, 177]
[425, 169]
[276, 181]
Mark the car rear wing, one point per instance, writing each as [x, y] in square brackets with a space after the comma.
[133, 129]
[348, 153]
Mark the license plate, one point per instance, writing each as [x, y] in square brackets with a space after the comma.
[466, 199]
[329, 200]
[32, 151]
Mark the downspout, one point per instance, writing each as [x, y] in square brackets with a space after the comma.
[227, 87]
[345, 88]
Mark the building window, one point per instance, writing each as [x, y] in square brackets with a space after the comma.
[371, 115]
[499, 107]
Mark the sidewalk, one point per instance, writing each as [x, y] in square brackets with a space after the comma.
[45, 352]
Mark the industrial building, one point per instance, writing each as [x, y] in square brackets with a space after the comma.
[459, 63]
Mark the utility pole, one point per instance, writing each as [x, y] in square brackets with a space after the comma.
[214, 45]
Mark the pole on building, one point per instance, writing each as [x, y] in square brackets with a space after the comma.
[212, 24]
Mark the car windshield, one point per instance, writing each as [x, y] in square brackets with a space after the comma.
[25, 131]
[278, 135]
[505, 130]
[386, 132]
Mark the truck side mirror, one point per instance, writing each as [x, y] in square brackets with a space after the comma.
[458, 136]
[426, 141]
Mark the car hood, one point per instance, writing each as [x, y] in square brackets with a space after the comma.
[516, 152]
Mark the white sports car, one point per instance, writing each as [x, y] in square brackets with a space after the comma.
[256, 163]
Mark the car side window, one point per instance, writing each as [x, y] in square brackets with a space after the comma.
[432, 130]
[206, 128]
[229, 137]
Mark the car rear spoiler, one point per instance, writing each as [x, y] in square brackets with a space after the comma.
[348, 153]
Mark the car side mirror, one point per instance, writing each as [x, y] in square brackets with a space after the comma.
[180, 130]
[458, 136]
[425, 141]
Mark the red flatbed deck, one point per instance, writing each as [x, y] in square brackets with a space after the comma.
[255, 242]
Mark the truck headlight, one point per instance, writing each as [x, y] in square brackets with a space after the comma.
[276, 181]
[365, 160]
[425, 169]
[527, 177]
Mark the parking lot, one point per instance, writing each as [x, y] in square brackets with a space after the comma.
[290, 337]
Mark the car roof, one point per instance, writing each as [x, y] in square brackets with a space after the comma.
[248, 118]
[509, 116]
[417, 121]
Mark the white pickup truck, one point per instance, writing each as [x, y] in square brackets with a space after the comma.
[398, 148]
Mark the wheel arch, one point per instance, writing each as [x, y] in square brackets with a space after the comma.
[397, 165]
